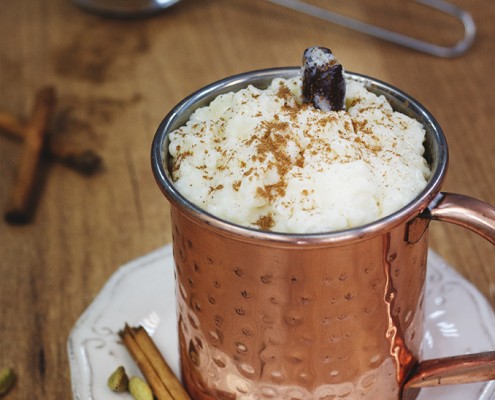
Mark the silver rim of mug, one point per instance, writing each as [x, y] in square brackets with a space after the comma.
[436, 154]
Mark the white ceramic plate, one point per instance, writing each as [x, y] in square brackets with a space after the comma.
[459, 320]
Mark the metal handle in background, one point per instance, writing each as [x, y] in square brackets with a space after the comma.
[372, 30]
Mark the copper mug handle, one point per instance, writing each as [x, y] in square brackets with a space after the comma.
[478, 217]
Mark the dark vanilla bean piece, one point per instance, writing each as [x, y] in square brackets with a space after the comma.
[323, 82]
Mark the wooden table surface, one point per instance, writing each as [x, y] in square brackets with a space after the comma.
[116, 79]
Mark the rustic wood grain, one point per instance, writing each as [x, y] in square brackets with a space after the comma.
[116, 79]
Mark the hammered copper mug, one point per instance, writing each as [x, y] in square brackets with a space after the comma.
[324, 316]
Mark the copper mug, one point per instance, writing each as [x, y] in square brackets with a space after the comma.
[265, 315]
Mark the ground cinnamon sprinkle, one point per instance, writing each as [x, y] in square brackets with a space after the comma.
[248, 172]
[284, 93]
[178, 160]
[271, 192]
[265, 222]
[215, 188]
[262, 192]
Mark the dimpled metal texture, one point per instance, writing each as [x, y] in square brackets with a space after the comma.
[263, 321]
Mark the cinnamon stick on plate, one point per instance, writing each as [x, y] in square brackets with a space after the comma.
[20, 203]
[163, 382]
[83, 160]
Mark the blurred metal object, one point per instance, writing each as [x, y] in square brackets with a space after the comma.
[125, 8]
[372, 30]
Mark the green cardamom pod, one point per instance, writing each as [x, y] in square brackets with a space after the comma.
[7, 380]
[118, 381]
[139, 389]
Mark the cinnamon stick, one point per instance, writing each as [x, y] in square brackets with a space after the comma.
[11, 126]
[19, 206]
[85, 161]
[155, 369]
[162, 368]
